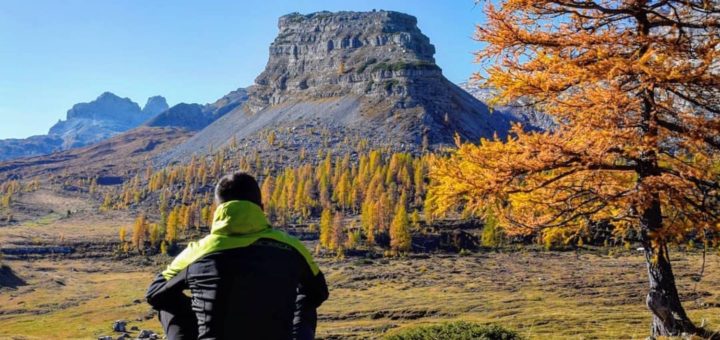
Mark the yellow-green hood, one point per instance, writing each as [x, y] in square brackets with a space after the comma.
[236, 224]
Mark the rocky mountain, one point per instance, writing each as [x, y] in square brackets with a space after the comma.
[519, 110]
[108, 158]
[334, 78]
[195, 116]
[12, 148]
[154, 106]
[85, 124]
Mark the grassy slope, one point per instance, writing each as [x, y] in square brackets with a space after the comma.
[73, 300]
[538, 294]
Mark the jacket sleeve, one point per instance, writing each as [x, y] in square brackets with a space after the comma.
[312, 292]
[163, 293]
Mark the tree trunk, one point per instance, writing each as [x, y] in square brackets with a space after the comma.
[669, 317]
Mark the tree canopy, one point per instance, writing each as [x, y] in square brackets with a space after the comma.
[633, 89]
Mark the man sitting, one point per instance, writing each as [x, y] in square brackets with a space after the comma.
[247, 280]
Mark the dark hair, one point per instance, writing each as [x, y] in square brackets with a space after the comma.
[238, 186]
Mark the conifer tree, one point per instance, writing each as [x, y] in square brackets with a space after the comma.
[107, 202]
[154, 234]
[139, 232]
[400, 240]
[415, 220]
[122, 234]
[163, 247]
[205, 216]
[326, 220]
[632, 87]
[171, 228]
[338, 236]
[368, 219]
[266, 191]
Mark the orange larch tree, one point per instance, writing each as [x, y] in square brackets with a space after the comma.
[634, 92]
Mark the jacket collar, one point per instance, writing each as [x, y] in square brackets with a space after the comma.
[238, 218]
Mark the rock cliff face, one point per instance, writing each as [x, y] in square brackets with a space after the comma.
[86, 123]
[367, 75]
[325, 54]
[195, 117]
[519, 111]
[154, 106]
[97, 120]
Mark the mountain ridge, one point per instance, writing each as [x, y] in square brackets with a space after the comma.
[85, 123]
[377, 66]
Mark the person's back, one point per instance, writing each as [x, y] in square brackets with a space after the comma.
[247, 280]
[250, 292]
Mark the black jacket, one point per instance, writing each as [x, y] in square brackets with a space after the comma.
[264, 291]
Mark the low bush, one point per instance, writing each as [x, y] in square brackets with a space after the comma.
[458, 330]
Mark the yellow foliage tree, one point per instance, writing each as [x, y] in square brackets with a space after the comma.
[634, 91]
[6, 200]
[139, 232]
[368, 219]
[171, 228]
[326, 220]
[400, 239]
[338, 236]
[122, 234]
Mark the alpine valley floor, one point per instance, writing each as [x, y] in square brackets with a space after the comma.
[587, 294]
[543, 295]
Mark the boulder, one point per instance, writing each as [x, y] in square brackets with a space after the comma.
[119, 326]
[147, 334]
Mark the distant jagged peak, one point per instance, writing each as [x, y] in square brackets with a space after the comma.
[107, 106]
[107, 95]
[195, 116]
[155, 105]
[86, 123]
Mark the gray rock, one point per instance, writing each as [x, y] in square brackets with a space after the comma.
[105, 337]
[97, 120]
[24, 147]
[85, 124]
[119, 326]
[195, 116]
[154, 106]
[147, 334]
[519, 110]
[360, 75]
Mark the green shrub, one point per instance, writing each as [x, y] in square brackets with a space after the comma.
[402, 65]
[458, 330]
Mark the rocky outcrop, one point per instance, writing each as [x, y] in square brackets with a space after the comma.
[519, 110]
[374, 54]
[154, 106]
[351, 75]
[195, 117]
[107, 160]
[97, 120]
[13, 148]
[85, 124]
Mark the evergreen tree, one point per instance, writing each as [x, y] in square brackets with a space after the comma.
[400, 240]
[139, 232]
[326, 220]
[338, 237]
[171, 228]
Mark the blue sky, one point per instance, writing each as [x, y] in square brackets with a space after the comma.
[54, 54]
